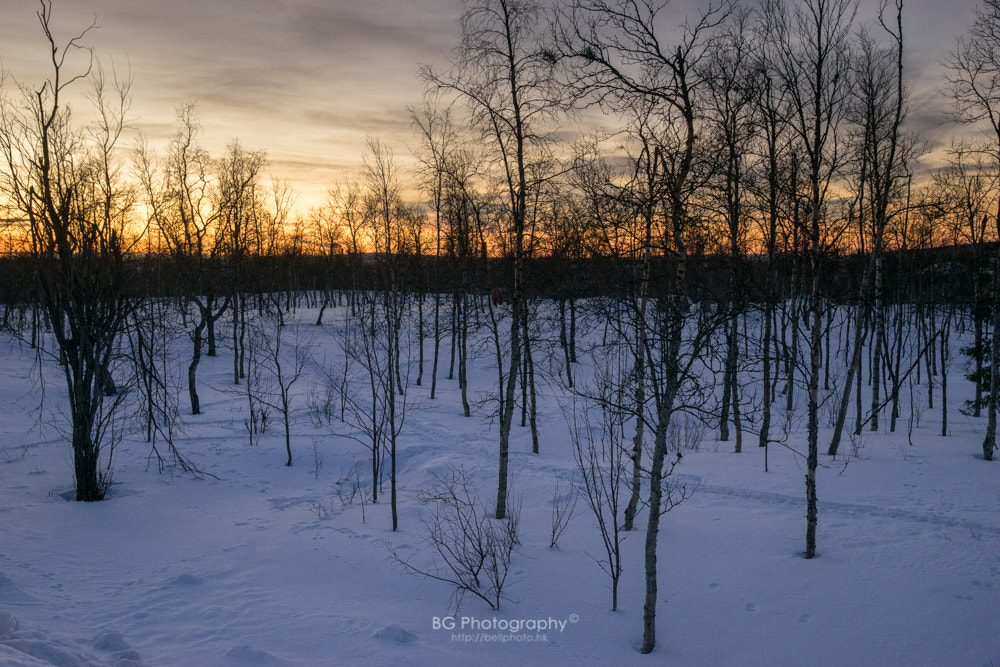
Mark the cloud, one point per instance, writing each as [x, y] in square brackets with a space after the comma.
[307, 80]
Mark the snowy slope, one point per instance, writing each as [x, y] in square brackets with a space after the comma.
[241, 569]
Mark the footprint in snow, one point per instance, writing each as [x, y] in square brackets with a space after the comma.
[395, 633]
[247, 655]
[8, 623]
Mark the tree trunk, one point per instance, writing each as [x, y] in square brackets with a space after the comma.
[193, 368]
[454, 327]
[637, 439]
[507, 411]
[532, 394]
[815, 362]
[726, 383]
[945, 353]
[210, 321]
[791, 356]
[664, 415]
[420, 338]
[394, 333]
[731, 381]
[437, 343]
[765, 416]
[896, 372]
[463, 355]
[572, 330]
[878, 341]
[978, 343]
[85, 451]
[990, 441]
[564, 341]
[288, 432]
[853, 367]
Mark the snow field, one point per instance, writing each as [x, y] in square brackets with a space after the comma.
[242, 569]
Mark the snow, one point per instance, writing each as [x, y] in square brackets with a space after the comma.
[264, 565]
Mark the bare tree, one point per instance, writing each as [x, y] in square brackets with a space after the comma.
[464, 211]
[373, 383]
[243, 228]
[385, 211]
[344, 203]
[813, 66]
[283, 372]
[774, 188]
[878, 114]
[472, 553]
[363, 411]
[438, 145]
[329, 241]
[151, 336]
[602, 461]
[504, 76]
[974, 80]
[647, 194]
[258, 416]
[733, 86]
[624, 210]
[622, 57]
[65, 180]
[960, 196]
[178, 199]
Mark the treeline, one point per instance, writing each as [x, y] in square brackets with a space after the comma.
[937, 275]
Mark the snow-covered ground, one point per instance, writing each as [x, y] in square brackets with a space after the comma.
[242, 569]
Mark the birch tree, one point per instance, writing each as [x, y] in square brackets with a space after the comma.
[618, 54]
[974, 85]
[504, 76]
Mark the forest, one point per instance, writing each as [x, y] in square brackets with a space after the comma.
[716, 225]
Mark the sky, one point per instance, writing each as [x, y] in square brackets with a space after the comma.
[307, 80]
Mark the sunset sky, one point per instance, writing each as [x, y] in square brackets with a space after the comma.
[307, 80]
